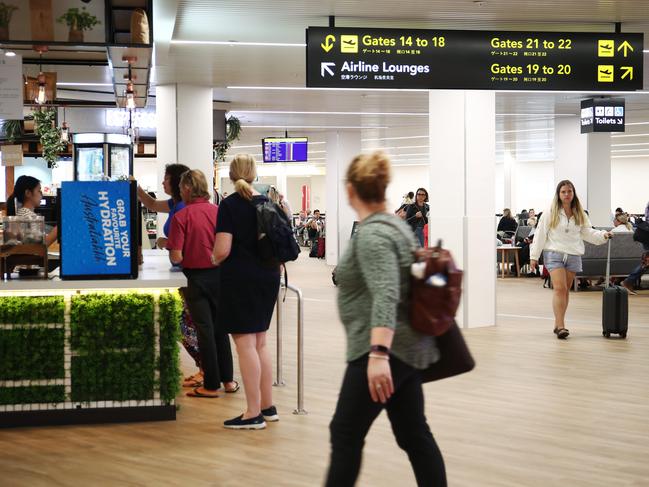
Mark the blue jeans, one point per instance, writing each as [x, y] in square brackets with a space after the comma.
[636, 273]
[419, 233]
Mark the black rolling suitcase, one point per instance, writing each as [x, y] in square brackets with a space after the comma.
[615, 305]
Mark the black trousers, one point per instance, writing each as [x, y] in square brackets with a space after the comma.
[214, 345]
[356, 412]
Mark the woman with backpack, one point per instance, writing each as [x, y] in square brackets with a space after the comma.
[249, 291]
[384, 354]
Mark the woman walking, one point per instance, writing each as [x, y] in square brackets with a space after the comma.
[383, 352]
[190, 243]
[417, 215]
[248, 293]
[560, 235]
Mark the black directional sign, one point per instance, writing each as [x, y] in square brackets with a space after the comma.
[484, 60]
[602, 115]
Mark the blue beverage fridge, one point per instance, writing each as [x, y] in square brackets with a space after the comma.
[102, 157]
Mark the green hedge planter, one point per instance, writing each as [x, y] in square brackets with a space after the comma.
[112, 342]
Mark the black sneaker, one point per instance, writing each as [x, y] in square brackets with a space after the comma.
[239, 423]
[270, 414]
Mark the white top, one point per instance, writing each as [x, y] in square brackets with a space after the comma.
[26, 213]
[567, 237]
[621, 229]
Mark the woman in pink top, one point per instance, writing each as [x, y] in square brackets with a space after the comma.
[190, 243]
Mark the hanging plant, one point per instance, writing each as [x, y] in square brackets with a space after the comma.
[49, 134]
[11, 130]
[232, 133]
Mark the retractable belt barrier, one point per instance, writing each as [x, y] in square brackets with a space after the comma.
[279, 381]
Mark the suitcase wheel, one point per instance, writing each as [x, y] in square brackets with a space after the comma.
[623, 334]
[606, 334]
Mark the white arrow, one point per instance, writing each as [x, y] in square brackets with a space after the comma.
[327, 67]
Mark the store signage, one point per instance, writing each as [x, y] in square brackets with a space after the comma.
[473, 60]
[12, 155]
[97, 229]
[11, 88]
[602, 115]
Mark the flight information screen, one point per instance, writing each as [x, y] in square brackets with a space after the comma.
[285, 149]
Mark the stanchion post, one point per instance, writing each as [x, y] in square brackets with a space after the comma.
[300, 351]
[279, 380]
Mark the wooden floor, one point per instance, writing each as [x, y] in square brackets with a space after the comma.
[536, 412]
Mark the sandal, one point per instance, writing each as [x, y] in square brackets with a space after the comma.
[196, 393]
[193, 381]
[561, 333]
[233, 390]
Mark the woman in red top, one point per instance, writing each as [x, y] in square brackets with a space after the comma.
[190, 243]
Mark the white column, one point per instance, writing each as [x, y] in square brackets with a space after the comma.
[183, 131]
[462, 194]
[194, 128]
[571, 156]
[599, 179]
[342, 147]
[508, 168]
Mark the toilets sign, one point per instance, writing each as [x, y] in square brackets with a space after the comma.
[479, 60]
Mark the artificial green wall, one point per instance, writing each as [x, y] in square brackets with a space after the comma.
[112, 345]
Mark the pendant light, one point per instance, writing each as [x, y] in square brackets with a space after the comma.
[41, 97]
[130, 96]
[65, 129]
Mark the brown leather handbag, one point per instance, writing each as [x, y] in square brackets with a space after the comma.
[433, 307]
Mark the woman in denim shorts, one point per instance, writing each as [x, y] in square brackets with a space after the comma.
[560, 235]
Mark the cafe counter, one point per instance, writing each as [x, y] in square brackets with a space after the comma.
[93, 350]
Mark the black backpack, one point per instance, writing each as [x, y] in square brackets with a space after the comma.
[275, 240]
[641, 233]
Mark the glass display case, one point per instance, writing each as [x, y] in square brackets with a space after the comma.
[102, 157]
[21, 231]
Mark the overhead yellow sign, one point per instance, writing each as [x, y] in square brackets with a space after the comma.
[349, 43]
[606, 48]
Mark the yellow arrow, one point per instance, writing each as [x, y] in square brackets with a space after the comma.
[328, 43]
[628, 71]
[626, 46]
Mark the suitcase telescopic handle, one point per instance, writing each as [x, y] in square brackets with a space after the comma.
[608, 265]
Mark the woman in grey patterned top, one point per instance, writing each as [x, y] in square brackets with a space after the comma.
[383, 352]
[27, 192]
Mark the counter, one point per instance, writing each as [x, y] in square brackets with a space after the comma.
[90, 351]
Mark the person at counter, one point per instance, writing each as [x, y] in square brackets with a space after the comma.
[26, 197]
[190, 243]
[171, 186]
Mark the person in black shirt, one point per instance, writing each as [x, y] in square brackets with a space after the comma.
[417, 214]
[507, 222]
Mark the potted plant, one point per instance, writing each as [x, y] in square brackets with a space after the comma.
[49, 134]
[6, 12]
[77, 20]
[232, 133]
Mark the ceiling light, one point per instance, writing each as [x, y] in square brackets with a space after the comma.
[627, 156]
[631, 135]
[238, 43]
[548, 129]
[627, 150]
[84, 84]
[636, 123]
[282, 127]
[632, 144]
[281, 112]
[398, 147]
[65, 132]
[10, 54]
[397, 138]
[301, 88]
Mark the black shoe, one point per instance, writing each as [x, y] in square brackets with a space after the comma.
[562, 333]
[270, 414]
[239, 423]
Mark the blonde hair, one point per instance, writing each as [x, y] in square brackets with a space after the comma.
[575, 205]
[197, 184]
[369, 175]
[243, 171]
[623, 218]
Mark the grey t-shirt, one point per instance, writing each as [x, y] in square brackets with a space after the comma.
[374, 283]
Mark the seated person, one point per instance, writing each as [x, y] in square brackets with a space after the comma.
[507, 226]
[26, 197]
[532, 219]
[315, 226]
[621, 223]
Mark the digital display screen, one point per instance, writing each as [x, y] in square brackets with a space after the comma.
[97, 230]
[285, 149]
